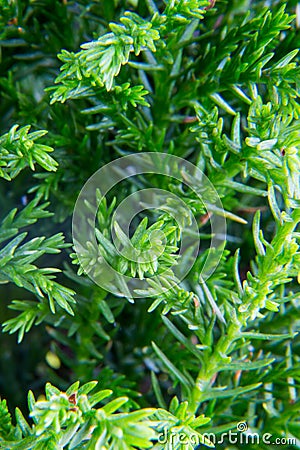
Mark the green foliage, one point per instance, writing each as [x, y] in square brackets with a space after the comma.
[215, 83]
[5, 421]
[19, 150]
[69, 420]
[16, 267]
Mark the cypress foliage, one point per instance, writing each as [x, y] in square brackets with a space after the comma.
[215, 83]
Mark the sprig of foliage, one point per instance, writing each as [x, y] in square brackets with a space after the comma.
[215, 83]
[70, 420]
[276, 263]
[100, 61]
[16, 266]
[18, 150]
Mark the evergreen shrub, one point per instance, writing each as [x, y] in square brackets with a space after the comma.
[185, 359]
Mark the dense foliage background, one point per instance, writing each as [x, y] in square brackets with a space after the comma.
[216, 84]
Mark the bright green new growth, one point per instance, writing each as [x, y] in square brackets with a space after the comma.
[217, 85]
[19, 150]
